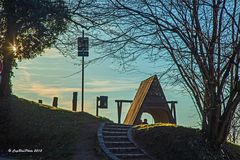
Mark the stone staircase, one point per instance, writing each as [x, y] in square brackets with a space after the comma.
[116, 144]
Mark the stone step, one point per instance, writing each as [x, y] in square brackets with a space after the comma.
[116, 126]
[125, 150]
[115, 129]
[135, 158]
[119, 133]
[115, 138]
[122, 148]
[116, 143]
[130, 155]
[119, 144]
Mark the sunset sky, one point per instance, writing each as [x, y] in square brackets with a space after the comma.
[49, 75]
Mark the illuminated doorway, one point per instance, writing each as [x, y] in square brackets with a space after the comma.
[149, 118]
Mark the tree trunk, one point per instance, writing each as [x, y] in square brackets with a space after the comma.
[213, 127]
[8, 55]
[219, 126]
[5, 85]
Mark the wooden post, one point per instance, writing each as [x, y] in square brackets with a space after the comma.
[40, 101]
[173, 111]
[119, 106]
[74, 101]
[97, 104]
[55, 101]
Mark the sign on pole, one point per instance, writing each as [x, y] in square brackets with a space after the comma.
[102, 102]
[83, 51]
[83, 46]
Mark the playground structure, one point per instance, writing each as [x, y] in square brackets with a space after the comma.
[149, 99]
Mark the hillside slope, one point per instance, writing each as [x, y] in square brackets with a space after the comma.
[29, 130]
[169, 142]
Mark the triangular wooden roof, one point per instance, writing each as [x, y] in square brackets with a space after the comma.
[138, 100]
[147, 88]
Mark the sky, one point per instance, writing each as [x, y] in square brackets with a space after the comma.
[48, 76]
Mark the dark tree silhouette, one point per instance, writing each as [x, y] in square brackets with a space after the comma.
[27, 27]
[234, 135]
[200, 37]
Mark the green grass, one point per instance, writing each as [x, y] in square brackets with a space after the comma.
[170, 142]
[29, 125]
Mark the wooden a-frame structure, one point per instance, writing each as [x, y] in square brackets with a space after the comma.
[150, 99]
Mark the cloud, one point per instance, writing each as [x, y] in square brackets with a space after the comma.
[27, 82]
[110, 85]
[44, 90]
[52, 53]
[94, 86]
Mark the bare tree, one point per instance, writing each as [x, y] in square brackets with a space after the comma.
[200, 37]
[234, 135]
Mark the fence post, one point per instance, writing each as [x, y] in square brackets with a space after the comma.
[55, 101]
[119, 106]
[74, 101]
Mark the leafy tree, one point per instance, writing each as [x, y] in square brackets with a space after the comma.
[27, 27]
[201, 39]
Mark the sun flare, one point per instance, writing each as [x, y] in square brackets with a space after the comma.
[14, 48]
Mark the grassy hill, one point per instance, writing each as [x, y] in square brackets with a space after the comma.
[44, 132]
[169, 142]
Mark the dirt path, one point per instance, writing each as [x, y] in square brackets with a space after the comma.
[86, 149]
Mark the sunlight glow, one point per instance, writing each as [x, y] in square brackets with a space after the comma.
[14, 48]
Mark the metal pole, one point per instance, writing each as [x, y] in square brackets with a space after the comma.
[82, 77]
